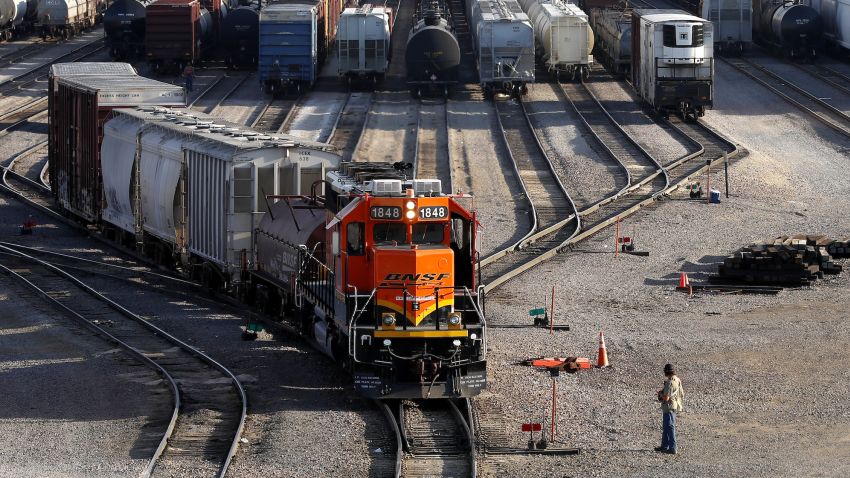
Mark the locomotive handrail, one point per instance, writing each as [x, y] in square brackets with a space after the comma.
[483, 326]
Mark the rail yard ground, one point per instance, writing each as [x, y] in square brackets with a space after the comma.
[765, 377]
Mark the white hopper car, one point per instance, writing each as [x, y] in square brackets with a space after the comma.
[363, 43]
[193, 188]
[503, 39]
[65, 18]
[673, 61]
[564, 37]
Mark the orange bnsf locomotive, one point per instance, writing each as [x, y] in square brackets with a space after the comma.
[380, 273]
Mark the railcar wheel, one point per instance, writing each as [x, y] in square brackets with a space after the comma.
[585, 73]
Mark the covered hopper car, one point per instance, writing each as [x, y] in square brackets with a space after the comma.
[613, 29]
[363, 43]
[503, 42]
[66, 18]
[732, 20]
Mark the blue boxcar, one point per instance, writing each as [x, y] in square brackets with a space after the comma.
[288, 46]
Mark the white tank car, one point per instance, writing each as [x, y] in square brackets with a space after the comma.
[197, 186]
[363, 43]
[613, 29]
[563, 35]
[673, 65]
[65, 18]
[503, 40]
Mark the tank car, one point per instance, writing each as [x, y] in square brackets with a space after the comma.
[380, 275]
[16, 16]
[432, 52]
[836, 30]
[503, 40]
[66, 18]
[363, 44]
[790, 28]
[564, 37]
[732, 19]
[124, 27]
[613, 29]
[240, 36]
[673, 61]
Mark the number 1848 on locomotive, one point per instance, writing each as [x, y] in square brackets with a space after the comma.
[380, 273]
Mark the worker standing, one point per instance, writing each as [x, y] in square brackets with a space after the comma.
[671, 403]
[189, 75]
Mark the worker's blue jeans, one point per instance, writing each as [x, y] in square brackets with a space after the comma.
[668, 431]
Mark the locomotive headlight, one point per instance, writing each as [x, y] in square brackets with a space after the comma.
[387, 343]
[388, 319]
[456, 342]
[410, 205]
[410, 214]
[454, 319]
[473, 336]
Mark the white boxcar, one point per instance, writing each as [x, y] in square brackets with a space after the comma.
[504, 44]
[563, 35]
[675, 55]
[363, 42]
[197, 184]
[835, 18]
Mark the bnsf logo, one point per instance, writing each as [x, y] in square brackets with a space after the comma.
[416, 277]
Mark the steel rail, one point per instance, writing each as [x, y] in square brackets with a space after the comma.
[23, 52]
[438, 451]
[716, 139]
[832, 77]
[393, 425]
[449, 157]
[820, 110]
[12, 84]
[467, 426]
[160, 333]
[286, 124]
[549, 232]
[327, 139]
[416, 151]
[365, 127]
[172, 384]
[207, 90]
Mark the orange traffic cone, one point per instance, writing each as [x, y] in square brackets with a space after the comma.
[684, 283]
[602, 361]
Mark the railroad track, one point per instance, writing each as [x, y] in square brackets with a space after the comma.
[828, 75]
[209, 406]
[431, 159]
[437, 439]
[390, 125]
[793, 94]
[275, 114]
[24, 52]
[218, 92]
[21, 114]
[554, 217]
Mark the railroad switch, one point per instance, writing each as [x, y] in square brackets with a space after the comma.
[541, 319]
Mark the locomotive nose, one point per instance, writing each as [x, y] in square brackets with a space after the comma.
[414, 281]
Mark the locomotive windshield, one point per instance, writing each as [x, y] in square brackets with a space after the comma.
[389, 232]
[428, 233]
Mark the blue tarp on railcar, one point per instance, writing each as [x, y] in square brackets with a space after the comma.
[288, 37]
